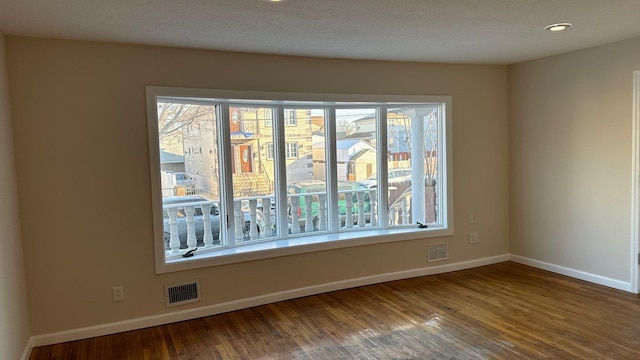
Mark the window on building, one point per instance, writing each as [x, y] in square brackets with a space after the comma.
[269, 148]
[268, 117]
[290, 118]
[320, 185]
[292, 150]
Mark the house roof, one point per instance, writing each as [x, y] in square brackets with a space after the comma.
[167, 157]
[359, 154]
[346, 144]
[359, 135]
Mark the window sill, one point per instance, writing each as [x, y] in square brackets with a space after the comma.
[307, 244]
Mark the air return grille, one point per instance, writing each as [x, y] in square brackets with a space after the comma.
[437, 252]
[183, 293]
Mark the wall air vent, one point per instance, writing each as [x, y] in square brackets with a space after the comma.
[437, 252]
[183, 293]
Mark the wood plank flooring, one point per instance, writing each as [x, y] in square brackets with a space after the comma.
[501, 311]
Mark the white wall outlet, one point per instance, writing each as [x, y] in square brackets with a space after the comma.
[118, 293]
[473, 238]
[471, 218]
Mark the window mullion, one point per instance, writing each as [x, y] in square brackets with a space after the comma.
[280, 161]
[441, 165]
[445, 178]
[382, 166]
[417, 168]
[226, 176]
[332, 170]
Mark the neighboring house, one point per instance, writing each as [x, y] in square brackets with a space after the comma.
[361, 165]
[399, 136]
[356, 159]
[171, 162]
[252, 150]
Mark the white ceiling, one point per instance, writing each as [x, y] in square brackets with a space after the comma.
[460, 31]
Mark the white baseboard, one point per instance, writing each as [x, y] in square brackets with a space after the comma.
[26, 354]
[578, 274]
[161, 319]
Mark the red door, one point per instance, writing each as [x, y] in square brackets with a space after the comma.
[245, 159]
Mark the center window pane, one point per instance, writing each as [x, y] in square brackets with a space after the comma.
[253, 172]
[356, 152]
[305, 170]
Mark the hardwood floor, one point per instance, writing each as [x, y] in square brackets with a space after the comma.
[501, 311]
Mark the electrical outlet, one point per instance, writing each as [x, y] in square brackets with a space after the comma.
[471, 218]
[473, 238]
[118, 293]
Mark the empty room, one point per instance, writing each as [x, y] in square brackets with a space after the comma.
[201, 179]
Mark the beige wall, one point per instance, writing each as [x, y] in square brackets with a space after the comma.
[14, 320]
[570, 158]
[83, 170]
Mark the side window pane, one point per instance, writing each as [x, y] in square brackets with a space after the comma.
[413, 163]
[189, 174]
[306, 170]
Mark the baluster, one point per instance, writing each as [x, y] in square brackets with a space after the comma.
[206, 220]
[405, 211]
[266, 211]
[308, 222]
[253, 227]
[174, 240]
[191, 226]
[393, 217]
[373, 201]
[361, 220]
[322, 212]
[348, 204]
[295, 207]
[238, 219]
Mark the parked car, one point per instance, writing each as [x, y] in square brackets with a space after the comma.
[183, 179]
[396, 177]
[181, 201]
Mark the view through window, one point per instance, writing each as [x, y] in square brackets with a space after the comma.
[241, 172]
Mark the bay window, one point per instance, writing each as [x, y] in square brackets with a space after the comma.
[341, 171]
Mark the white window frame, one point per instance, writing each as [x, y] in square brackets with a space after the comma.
[303, 244]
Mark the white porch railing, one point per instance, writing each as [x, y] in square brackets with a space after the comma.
[193, 224]
[400, 211]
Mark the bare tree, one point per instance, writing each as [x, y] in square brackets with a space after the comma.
[430, 147]
[174, 117]
[402, 122]
[345, 126]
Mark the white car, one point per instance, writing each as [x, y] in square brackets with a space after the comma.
[183, 179]
[396, 177]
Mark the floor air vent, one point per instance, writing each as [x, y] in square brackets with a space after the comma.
[183, 293]
[437, 252]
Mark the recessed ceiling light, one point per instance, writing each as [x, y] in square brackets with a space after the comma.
[557, 27]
